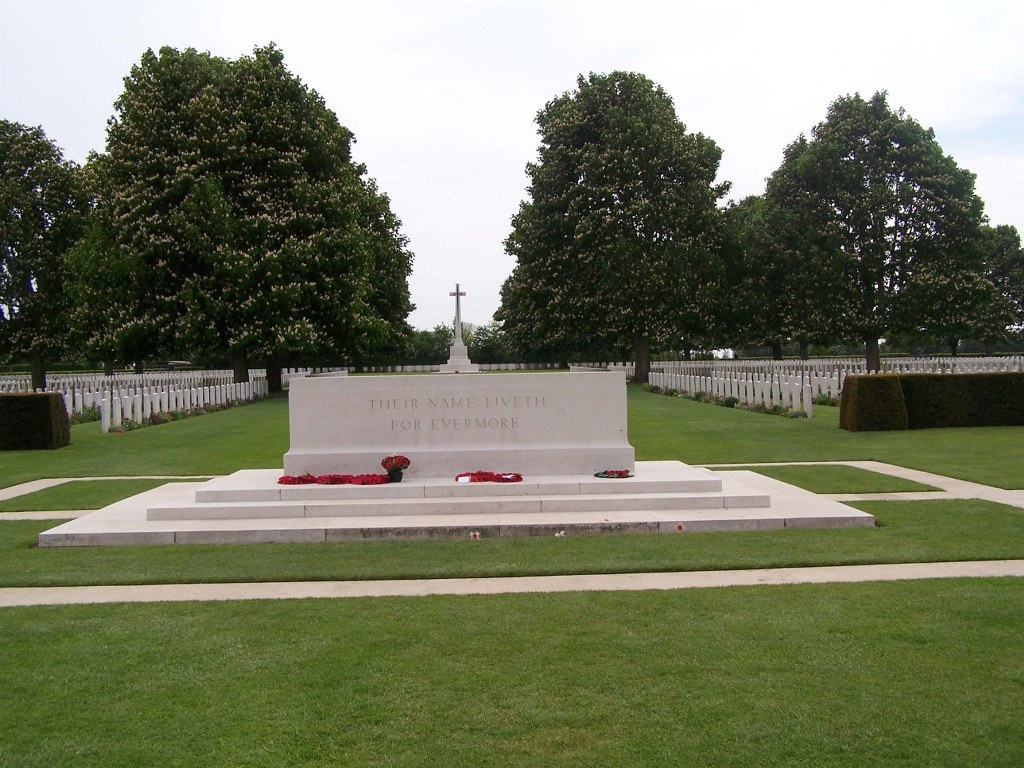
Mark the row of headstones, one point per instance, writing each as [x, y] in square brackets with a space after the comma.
[789, 391]
[297, 372]
[88, 389]
[843, 367]
[140, 404]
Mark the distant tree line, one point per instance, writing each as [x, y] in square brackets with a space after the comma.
[227, 222]
[867, 231]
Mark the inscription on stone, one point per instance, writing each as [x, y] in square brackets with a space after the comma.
[468, 406]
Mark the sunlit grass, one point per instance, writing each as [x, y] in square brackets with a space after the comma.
[872, 675]
[837, 478]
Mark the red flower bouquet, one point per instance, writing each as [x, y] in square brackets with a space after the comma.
[391, 463]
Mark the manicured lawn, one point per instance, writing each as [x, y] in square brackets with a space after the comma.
[254, 436]
[921, 531]
[78, 494]
[824, 478]
[926, 673]
[908, 674]
[662, 427]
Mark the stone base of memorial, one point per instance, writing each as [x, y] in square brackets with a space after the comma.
[531, 423]
[555, 430]
[458, 361]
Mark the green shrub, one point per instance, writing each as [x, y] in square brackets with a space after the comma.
[872, 403]
[30, 421]
[731, 402]
[963, 400]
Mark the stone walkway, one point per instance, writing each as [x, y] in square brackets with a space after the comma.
[290, 590]
[949, 488]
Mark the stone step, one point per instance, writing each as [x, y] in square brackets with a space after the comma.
[536, 504]
[655, 477]
[125, 522]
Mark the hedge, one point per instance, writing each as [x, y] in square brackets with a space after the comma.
[33, 420]
[872, 403]
[930, 400]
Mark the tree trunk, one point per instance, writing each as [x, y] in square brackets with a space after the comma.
[642, 357]
[687, 353]
[990, 347]
[805, 351]
[108, 365]
[776, 347]
[38, 369]
[140, 366]
[871, 356]
[274, 374]
[954, 346]
[240, 367]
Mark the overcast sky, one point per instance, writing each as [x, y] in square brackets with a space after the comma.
[442, 95]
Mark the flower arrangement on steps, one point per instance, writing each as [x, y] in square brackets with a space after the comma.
[395, 466]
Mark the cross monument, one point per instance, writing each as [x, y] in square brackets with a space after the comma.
[458, 354]
[458, 313]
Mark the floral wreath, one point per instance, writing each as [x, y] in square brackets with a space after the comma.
[614, 473]
[490, 477]
[309, 479]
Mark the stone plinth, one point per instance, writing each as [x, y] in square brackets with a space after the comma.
[532, 423]
[458, 360]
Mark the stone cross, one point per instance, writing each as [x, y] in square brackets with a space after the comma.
[458, 313]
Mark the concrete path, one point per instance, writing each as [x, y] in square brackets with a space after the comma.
[949, 487]
[10, 597]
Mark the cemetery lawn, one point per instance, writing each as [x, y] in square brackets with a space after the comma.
[253, 436]
[869, 675]
[662, 427]
[908, 531]
[79, 494]
[833, 478]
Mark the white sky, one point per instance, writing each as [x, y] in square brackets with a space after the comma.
[442, 95]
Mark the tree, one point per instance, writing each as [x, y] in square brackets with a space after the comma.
[1004, 269]
[895, 217]
[41, 214]
[247, 228]
[431, 347]
[619, 238]
[489, 344]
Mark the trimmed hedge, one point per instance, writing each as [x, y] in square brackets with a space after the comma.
[963, 400]
[930, 400]
[872, 403]
[35, 420]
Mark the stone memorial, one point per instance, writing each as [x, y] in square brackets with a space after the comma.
[458, 354]
[542, 443]
[538, 423]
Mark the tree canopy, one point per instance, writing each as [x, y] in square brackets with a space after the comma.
[891, 216]
[239, 221]
[619, 239]
[41, 214]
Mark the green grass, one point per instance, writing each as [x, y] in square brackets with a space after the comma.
[663, 427]
[253, 436]
[832, 478]
[922, 531]
[660, 427]
[78, 494]
[909, 674]
[926, 673]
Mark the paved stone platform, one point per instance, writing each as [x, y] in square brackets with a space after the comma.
[250, 507]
